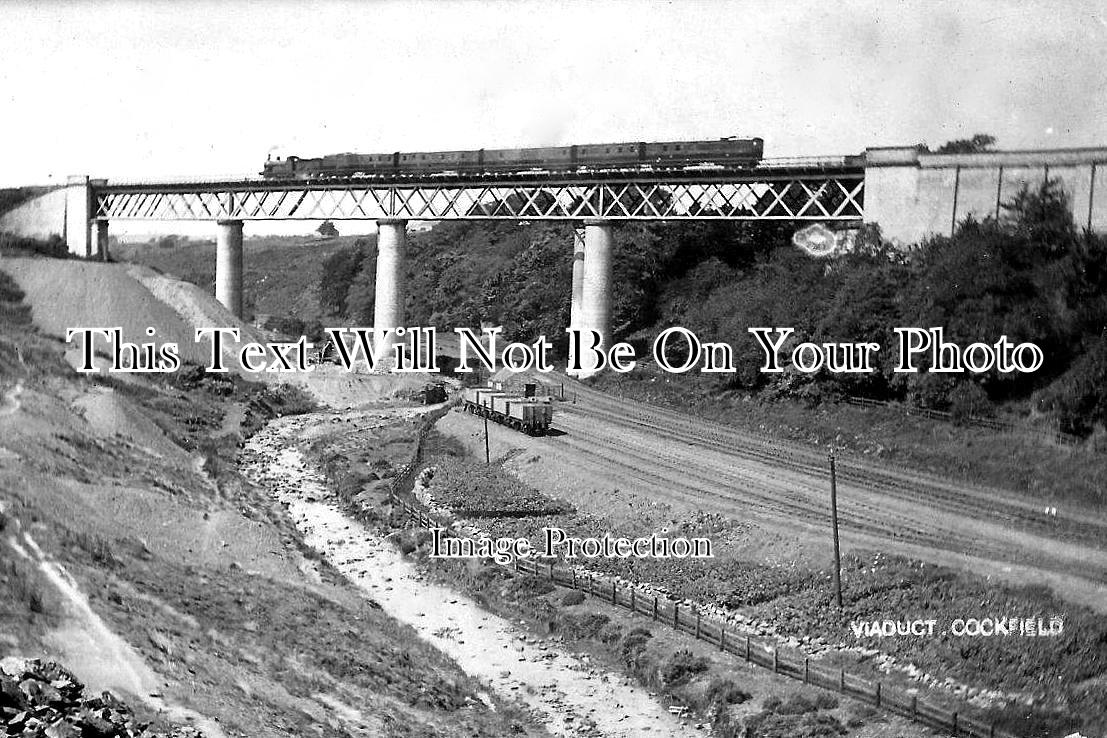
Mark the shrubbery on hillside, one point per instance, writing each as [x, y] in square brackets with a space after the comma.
[1030, 275]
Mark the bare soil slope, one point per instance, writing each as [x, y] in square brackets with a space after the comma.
[132, 551]
[70, 294]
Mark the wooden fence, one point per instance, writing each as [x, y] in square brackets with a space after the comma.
[757, 651]
[690, 620]
[1006, 426]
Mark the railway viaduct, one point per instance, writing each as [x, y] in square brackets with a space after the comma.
[910, 193]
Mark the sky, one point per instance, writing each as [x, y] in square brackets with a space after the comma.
[139, 90]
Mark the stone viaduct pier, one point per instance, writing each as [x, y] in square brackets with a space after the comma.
[910, 193]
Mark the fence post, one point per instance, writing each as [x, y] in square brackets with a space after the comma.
[955, 723]
[878, 694]
[655, 608]
[676, 615]
[697, 624]
[842, 681]
[747, 648]
[991, 730]
[915, 706]
[722, 637]
[774, 661]
[551, 571]
[573, 578]
[806, 670]
[632, 599]
[613, 585]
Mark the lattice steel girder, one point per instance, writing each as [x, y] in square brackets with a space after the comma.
[799, 198]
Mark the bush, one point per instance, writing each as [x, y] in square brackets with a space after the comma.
[968, 400]
[584, 626]
[634, 645]
[858, 713]
[611, 633]
[1079, 397]
[808, 725]
[726, 692]
[796, 704]
[681, 667]
[575, 597]
[407, 545]
[530, 586]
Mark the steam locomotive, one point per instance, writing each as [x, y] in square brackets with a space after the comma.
[730, 152]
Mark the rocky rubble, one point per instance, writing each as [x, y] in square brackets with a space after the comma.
[43, 700]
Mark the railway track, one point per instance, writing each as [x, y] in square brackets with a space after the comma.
[692, 486]
[721, 468]
[981, 503]
[672, 477]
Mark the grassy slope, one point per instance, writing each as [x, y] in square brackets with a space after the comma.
[203, 575]
[1024, 464]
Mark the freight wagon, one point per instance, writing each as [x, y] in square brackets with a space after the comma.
[526, 413]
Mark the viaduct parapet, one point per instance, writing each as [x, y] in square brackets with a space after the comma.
[912, 194]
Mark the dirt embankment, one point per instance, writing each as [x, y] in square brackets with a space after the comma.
[76, 294]
[133, 553]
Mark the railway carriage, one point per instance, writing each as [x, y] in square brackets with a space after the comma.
[725, 152]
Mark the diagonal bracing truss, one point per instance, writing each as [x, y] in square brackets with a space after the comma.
[744, 195]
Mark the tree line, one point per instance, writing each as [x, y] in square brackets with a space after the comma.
[1030, 274]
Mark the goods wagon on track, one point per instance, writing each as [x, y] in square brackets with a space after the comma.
[526, 413]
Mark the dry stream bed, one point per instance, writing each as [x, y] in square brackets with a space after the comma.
[571, 697]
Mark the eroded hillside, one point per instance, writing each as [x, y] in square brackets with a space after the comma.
[133, 553]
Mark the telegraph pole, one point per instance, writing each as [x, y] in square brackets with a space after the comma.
[834, 523]
[487, 459]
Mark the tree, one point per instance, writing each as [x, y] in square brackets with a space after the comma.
[327, 230]
[980, 142]
[338, 273]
